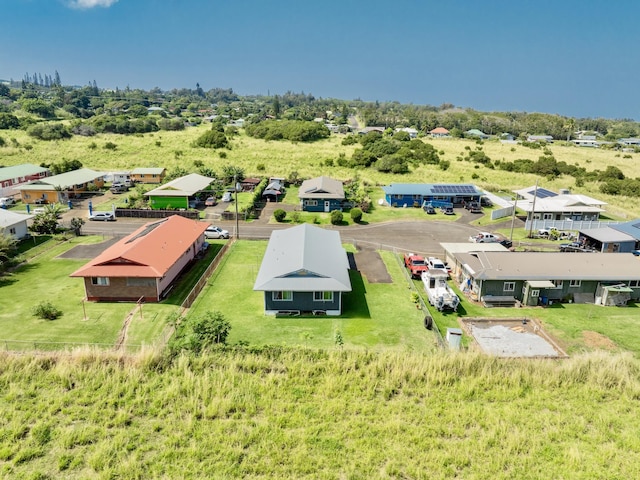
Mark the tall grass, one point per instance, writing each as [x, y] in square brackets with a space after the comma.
[293, 413]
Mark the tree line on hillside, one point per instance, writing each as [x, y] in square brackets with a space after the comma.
[126, 111]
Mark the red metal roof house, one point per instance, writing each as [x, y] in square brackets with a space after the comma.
[144, 264]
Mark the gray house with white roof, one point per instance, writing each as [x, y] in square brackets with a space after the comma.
[543, 204]
[304, 271]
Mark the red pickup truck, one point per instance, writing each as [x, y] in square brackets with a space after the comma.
[416, 264]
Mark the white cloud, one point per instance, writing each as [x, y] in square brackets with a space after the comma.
[86, 4]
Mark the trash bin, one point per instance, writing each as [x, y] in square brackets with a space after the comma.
[454, 338]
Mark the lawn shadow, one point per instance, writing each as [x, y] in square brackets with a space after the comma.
[355, 302]
[189, 277]
[6, 280]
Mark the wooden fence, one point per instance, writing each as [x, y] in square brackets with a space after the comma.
[143, 213]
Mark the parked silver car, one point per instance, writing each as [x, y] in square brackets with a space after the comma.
[102, 217]
[215, 232]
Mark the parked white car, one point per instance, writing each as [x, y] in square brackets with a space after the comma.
[102, 217]
[484, 237]
[215, 232]
[6, 201]
[436, 263]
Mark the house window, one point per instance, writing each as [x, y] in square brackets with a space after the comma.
[12, 231]
[100, 281]
[575, 283]
[416, 197]
[283, 296]
[535, 293]
[141, 282]
[547, 216]
[509, 286]
[396, 197]
[557, 283]
[323, 296]
[311, 203]
[634, 283]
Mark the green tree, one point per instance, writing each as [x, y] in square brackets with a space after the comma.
[336, 217]
[45, 223]
[38, 107]
[76, 225]
[49, 131]
[8, 120]
[212, 139]
[7, 247]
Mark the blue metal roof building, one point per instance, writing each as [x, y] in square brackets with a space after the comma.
[415, 194]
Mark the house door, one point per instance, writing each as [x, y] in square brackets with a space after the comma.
[327, 205]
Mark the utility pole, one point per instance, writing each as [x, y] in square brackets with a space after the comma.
[235, 187]
[533, 209]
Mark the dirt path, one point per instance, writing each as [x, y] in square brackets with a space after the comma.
[122, 336]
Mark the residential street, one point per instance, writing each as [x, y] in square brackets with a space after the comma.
[418, 236]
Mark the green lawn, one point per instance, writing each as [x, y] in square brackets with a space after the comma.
[46, 278]
[376, 316]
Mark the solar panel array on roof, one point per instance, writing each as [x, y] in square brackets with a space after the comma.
[460, 189]
[543, 193]
[148, 229]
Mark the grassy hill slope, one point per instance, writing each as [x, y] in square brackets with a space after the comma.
[281, 158]
[308, 414]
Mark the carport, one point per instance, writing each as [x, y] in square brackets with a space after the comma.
[606, 239]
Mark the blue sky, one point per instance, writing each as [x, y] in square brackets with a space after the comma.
[577, 58]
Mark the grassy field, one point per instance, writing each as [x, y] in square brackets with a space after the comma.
[280, 159]
[299, 413]
[376, 316]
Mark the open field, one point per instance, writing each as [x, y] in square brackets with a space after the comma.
[300, 413]
[258, 157]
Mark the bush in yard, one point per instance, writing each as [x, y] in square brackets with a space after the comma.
[356, 215]
[199, 333]
[336, 217]
[279, 215]
[46, 311]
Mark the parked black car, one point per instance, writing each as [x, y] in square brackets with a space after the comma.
[428, 208]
